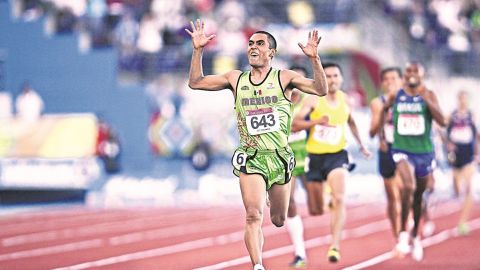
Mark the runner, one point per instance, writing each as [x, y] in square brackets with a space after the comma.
[462, 156]
[414, 107]
[391, 82]
[297, 141]
[264, 161]
[327, 160]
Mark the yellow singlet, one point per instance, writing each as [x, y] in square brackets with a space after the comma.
[329, 138]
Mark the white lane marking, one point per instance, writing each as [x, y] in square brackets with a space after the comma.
[52, 250]
[430, 241]
[138, 222]
[359, 231]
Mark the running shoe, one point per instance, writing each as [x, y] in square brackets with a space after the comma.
[258, 267]
[402, 247]
[333, 255]
[298, 262]
[463, 229]
[417, 250]
[428, 228]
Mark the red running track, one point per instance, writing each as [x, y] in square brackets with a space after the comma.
[212, 238]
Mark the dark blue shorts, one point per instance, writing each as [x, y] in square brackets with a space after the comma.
[422, 163]
[463, 155]
[318, 166]
[386, 165]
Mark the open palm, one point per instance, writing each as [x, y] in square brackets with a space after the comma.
[311, 49]
[199, 39]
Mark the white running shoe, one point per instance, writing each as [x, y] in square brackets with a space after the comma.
[402, 247]
[417, 250]
[428, 228]
[258, 267]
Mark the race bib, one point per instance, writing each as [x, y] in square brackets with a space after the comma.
[297, 136]
[411, 124]
[239, 160]
[388, 131]
[327, 134]
[461, 134]
[262, 121]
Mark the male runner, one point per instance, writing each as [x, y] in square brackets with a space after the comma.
[414, 107]
[391, 82]
[297, 141]
[327, 158]
[264, 161]
[462, 156]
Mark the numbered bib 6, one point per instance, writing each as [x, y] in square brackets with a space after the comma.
[461, 134]
[411, 124]
[327, 134]
[262, 121]
[239, 159]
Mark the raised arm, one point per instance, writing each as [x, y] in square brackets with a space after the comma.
[196, 78]
[317, 86]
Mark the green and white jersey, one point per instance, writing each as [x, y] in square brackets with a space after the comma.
[413, 123]
[298, 140]
[264, 114]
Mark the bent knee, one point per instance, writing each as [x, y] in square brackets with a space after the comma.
[278, 220]
[253, 215]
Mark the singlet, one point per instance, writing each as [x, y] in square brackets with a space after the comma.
[264, 114]
[413, 123]
[329, 138]
[461, 130]
[388, 127]
[298, 140]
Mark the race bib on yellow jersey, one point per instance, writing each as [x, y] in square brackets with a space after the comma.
[462, 134]
[262, 121]
[411, 124]
[388, 131]
[327, 134]
[297, 136]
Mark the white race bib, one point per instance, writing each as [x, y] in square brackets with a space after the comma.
[461, 134]
[327, 134]
[388, 132]
[297, 136]
[411, 124]
[262, 121]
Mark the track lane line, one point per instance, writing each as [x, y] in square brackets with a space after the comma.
[427, 242]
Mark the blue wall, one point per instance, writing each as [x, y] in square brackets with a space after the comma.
[71, 82]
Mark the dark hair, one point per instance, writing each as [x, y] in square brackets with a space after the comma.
[272, 42]
[298, 67]
[391, 69]
[331, 64]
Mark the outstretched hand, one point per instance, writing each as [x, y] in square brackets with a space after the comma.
[311, 49]
[199, 39]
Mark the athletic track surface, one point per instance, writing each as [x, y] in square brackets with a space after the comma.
[212, 238]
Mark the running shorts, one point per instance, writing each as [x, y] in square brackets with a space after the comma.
[422, 163]
[275, 166]
[318, 166]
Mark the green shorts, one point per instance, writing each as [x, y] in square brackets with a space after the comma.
[300, 156]
[275, 166]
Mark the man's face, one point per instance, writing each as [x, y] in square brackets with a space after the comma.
[414, 74]
[334, 78]
[258, 52]
[463, 100]
[391, 81]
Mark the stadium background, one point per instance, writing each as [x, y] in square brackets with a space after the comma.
[122, 66]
